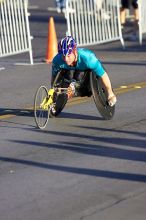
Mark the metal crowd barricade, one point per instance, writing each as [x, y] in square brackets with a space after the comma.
[142, 19]
[14, 28]
[94, 21]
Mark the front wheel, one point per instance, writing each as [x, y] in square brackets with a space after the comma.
[41, 111]
[100, 98]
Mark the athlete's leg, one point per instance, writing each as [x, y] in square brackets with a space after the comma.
[134, 35]
[124, 6]
[62, 74]
[83, 83]
[136, 11]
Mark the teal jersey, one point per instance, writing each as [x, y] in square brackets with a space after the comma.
[86, 60]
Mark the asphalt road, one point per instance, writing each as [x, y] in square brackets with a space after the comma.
[80, 166]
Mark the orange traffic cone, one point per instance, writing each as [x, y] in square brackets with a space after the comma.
[52, 48]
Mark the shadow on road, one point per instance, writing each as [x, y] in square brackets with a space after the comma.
[110, 147]
[30, 113]
[78, 170]
[17, 112]
[79, 116]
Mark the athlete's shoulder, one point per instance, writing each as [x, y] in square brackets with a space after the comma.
[87, 56]
[57, 60]
[85, 52]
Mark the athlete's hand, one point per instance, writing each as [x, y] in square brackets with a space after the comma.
[112, 100]
[71, 90]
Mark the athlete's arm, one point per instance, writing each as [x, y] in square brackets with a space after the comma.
[98, 69]
[55, 69]
[95, 65]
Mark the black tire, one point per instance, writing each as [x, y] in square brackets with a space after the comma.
[60, 99]
[100, 98]
[41, 116]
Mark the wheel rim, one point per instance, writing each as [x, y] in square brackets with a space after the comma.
[41, 115]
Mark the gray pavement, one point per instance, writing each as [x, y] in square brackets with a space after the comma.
[80, 166]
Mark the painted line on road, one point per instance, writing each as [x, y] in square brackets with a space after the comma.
[129, 88]
[33, 7]
[118, 91]
[6, 116]
[52, 9]
[78, 100]
[2, 68]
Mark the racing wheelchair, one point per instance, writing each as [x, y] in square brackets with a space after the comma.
[49, 103]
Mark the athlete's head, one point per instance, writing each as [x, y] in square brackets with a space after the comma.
[67, 45]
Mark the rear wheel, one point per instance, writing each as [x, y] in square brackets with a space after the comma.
[41, 114]
[100, 98]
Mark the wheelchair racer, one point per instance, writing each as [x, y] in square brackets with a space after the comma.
[72, 61]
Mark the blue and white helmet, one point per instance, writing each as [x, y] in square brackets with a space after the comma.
[66, 45]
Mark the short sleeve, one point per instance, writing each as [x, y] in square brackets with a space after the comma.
[95, 65]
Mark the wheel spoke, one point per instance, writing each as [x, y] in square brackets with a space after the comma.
[41, 115]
